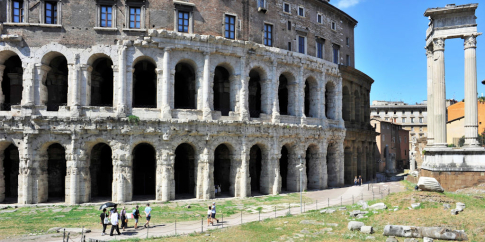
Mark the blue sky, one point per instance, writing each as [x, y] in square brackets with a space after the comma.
[389, 47]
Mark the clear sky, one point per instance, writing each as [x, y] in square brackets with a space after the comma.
[389, 47]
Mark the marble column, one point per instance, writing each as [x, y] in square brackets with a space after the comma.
[430, 105]
[471, 106]
[121, 105]
[206, 83]
[2, 97]
[439, 91]
[166, 111]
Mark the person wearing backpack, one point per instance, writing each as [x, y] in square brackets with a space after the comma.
[136, 215]
[104, 220]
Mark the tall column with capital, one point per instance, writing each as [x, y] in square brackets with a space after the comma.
[471, 106]
[206, 83]
[244, 92]
[166, 78]
[2, 97]
[300, 95]
[430, 105]
[121, 105]
[274, 94]
[439, 91]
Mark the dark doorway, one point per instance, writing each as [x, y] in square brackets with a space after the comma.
[254, 94]
[11, 162]
[330, 100]
[307, 99]
[12, 82]
[346, 103]
[348, 179]
[283, 95]
[144, 170]
[102, 83]
[222, 91]
[144, 85]
[185, 171]
[101, 171]
[222, 168]
[184, 96]
[56, 170]
[284, 168]
[57, 83]
[255, 159]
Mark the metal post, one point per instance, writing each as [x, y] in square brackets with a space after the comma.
[82, 233]
[64, 236]
[202, 225]
[67, 239]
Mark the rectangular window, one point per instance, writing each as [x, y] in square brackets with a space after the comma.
[403, 120]
[268, 35]
[135, 17]
[106, 16]
[319, 18]
[301, 44]
[336, 53]
[289, 46]
[412, 120]
[183, 22]
[347, 59]
[301, 11]
[18, 11]
[230, 27]
[51, 12]
[261, 3]
[334, 26]
[420, 120]
[289, 25]
[347, 41]
[320, 49]
[286, 7]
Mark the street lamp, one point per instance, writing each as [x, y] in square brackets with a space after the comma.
[300, 167]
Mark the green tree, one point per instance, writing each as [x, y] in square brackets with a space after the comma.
[461, 142]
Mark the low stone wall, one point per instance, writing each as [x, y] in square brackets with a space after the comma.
[452, 181]
[412, 179]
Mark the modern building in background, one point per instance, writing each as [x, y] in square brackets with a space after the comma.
[455, 125]
[392, 146]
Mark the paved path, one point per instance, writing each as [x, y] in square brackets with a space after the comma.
[321, 199]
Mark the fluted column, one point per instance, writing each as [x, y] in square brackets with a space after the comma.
[244, 90]
[121, 105]
[471, 106]
[439, 91]
[206, 83]
[430, 104]
[166, 112]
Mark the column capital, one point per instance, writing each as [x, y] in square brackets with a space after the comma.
[429, 53]
[438, 44]
[470, 41]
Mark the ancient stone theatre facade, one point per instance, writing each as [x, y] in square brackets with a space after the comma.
[164, 99]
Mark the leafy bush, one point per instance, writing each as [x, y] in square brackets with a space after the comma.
[133, 119]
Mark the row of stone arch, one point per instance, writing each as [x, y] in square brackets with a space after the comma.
[355, 105]
[185, 171]
[55, 91]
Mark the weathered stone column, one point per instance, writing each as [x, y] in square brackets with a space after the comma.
[471, 106]
[165, 100]
[300, 96]
[165, 176]
[244, 91]
[73, 171]
[85, 97]
[40, 90]
[121, 105]
[341, 165]
[205, 176]
[27, 171]
[2, 97]
[430, 104]
[28, 78]
[244, 171]
[273, 95]
[439, 91]
[122, 186]
[206, 83]
[275, 172]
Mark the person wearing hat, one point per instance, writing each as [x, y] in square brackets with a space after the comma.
[214, 213]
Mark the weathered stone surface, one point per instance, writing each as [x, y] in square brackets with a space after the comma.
[367, 229]
[429, 184]
[420, 232]
[460, 205]
[411, 240]
[9, 211]
[454, 212]
[370, 238]
[427, 239]
[446, 206]
[311, 222]
[354, 225]
[378, 206]
[392, 239]
[415, 205]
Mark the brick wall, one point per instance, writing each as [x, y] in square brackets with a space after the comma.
[452, 181]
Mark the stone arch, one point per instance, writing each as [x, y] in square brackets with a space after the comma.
[102, 88]
[255, 169]
[6, 53]
[9, 172]
[101, 171]
[185, 171]
[313, 167]
[287, 94]
[330, 100]
[57, 80]
[257, 94]
[346, 104]
[221, 89]
[311, 97]
[11, 81]
[50, 51]
[56, 172]
[144, 170]
[288, 171]
[185, 89]
[95, 52]
[357, 110]
[144, 82]
[225, 168]
[332, 164]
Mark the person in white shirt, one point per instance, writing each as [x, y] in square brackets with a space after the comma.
[114, 222]
[209, 216]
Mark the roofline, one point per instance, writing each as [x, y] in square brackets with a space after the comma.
[338, 10]
[450, 9]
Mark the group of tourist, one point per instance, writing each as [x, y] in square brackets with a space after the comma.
[114, 217]
[358, 181]
[211, 214]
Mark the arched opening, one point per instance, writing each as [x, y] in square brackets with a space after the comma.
[254, 94]
[357, 107]
[222, 169]
[101, 171]
[284, 168]
[330, 98]
[222, 91]
[11, 161]
[312, 168]
[255, 160]
[144, 169]
[311, 98]
[144, 85]
[56, 170]
[12, 82]
[184, 96]
[332, 165]
[57, 83]
[348, 178]
[346, 110]
[102, 83]
[283, 95]
[185, 172]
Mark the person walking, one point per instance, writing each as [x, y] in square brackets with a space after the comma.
[104, 220]
[214, 213]
[209, 216]
[356, 181]
[113, 209]
[148, 214]
[360, 180]
[136, 215]
[114, 222]
[124, 219]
